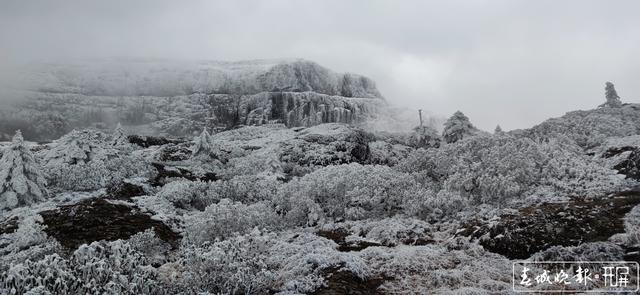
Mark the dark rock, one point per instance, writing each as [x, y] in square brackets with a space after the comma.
[343, 282]
[632, 254]
[177, 172]
[124, 191]
[147, 141]
[98, 219]
[9, 225]
[174, 153]
[532, 229]
[630, 166]
[616, 151]
[339, 236]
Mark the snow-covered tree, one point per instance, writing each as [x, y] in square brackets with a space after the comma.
[80, 147]
[457, 127]
[21, 180]
[613, 100]
[119, 137]
[425, 136]
[202, 145]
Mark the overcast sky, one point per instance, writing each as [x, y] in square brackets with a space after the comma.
[513, 63]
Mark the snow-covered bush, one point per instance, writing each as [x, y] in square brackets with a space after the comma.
[21, 179]
[97, 174]
[264, 163]
[588, 128]
[439, 269]
[29, 241]
[496, 169]
[226, 218]
[153, 248]
[435, 206]
[303, 258]
[89, 160]
[385, 153]
[597, 251]
[186, 194]
[234, 266]
[99, 268]
[341, 192]
[80, 146]
[248, 189]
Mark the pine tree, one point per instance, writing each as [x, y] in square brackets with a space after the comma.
[425, 136]
[21, 180]
[457, 127]
[202, 146]
[119, 138]
[610, 93]
[498, 130]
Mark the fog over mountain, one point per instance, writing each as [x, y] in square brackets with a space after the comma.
[480, 57]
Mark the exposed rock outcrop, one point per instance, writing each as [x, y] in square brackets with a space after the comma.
[343, 282]
[630, 166]
[533, 229]
[99, 219]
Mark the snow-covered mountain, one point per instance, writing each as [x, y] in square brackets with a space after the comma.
[126, 77]
[177, 98]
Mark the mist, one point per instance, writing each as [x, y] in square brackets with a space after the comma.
[513, 63]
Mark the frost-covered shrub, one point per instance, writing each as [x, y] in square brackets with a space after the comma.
[234, 266]
[342, 192]
[588, 128]
[327, 144]
[153, 248]
[97, 174]
[226, 218]
[432, 206]
[496, 169]
[631, 236]
[248, 189]
[21, 179]
[29, 241]
[263, 163]
[80, 146]
[437, 269]
[303, 258]
[597, 251]
[99, 268]
[186, 194]
[384, 153]
[89, 160]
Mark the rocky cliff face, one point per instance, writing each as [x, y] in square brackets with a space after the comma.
[174, 98]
